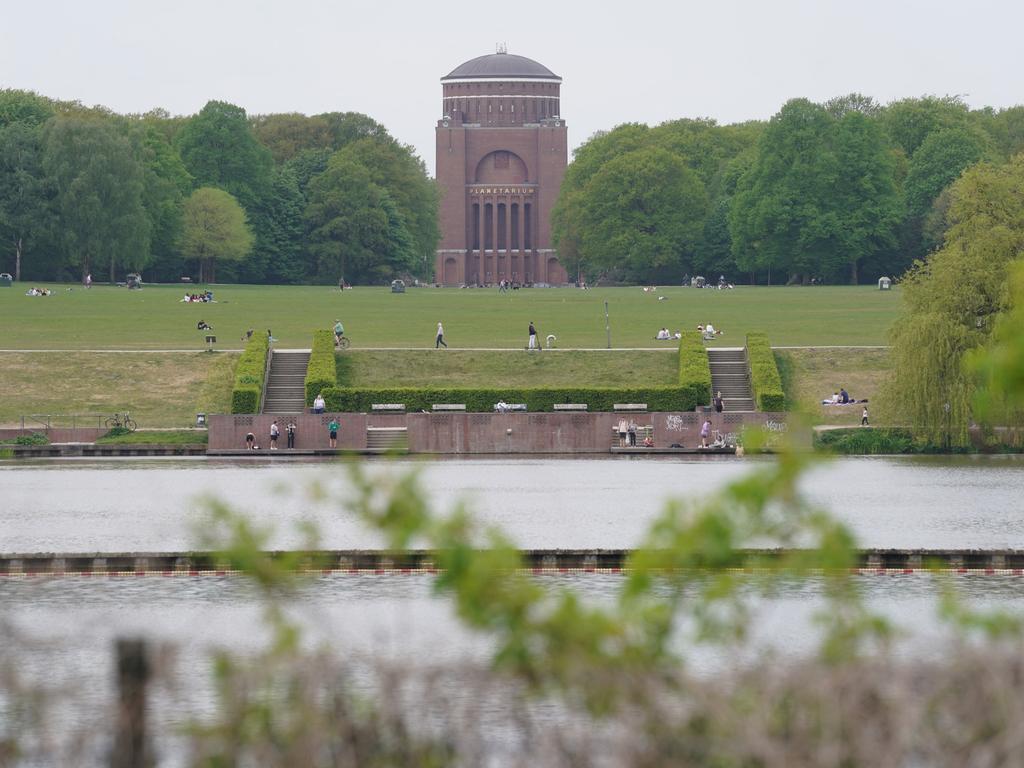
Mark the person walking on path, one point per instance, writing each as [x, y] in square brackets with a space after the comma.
[290, 431]
[332, 431]
[274, 432]
[439, 342]
[533, 337]
[719, 402]
[864, 417]
[705, 433]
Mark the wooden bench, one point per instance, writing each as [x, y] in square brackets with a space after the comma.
[570, 406]
[388, 407]
[521, 407]
[448, 407]
[628, 407]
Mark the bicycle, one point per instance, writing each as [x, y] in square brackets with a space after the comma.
[121, 421]
[341, 342]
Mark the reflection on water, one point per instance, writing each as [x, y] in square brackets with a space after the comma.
[153, 504]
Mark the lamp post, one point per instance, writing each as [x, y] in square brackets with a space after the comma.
[607, 325]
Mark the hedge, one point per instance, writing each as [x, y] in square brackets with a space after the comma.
[764, 374]
[357, 399]
[249, 374]
[694, 368]
[321, 372]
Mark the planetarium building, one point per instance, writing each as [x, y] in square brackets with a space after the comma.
[502, 150]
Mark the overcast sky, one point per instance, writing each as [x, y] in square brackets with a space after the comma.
[640, 61]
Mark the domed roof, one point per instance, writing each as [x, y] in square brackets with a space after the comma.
[501, 65]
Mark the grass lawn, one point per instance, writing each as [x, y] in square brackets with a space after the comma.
[157, 437]
[159, 389]
[455, 368]
[154, 318]
[811, 375]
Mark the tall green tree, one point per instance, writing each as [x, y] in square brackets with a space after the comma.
[642, 214]
[25, 192]
[98, 181]
[283, 237]
[219, 149]
[865, 204]
[165, 184]
[952, 300]
[24, 107]
[396, 168]
[214, 229]
[908, 122]
[938, 161]
[776, 220]
[356, 231]
[286, 135]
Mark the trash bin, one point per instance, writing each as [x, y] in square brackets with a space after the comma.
[200, 419]
[5, 280]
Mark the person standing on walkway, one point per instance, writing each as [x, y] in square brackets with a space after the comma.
[439, 342]
[864, 417]
[274, 432]
[533, 337]
[318, 403]
[705, 433]
[719, 402]
[332, 431]
[631, 430]
[290, 431]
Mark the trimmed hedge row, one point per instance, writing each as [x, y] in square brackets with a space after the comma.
[353, 399]
[764, 374]
[249, 374]
[694, 368]
[321, 372]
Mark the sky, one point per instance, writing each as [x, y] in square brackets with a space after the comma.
[642, 61]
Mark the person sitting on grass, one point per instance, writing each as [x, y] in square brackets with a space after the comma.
[202, 325]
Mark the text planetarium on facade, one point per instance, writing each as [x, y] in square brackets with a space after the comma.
[502, 149]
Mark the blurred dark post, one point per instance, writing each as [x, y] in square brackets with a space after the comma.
[131, 748]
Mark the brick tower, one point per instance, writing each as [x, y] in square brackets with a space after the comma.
[502, 150]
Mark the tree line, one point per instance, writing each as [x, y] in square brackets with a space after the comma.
[839, 192]
[281, 198]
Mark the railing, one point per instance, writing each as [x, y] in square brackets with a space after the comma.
[48, 421]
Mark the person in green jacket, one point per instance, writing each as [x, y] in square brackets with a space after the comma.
[332, 428]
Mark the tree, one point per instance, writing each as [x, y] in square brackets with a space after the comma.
[286, 135]
[165, 183]
[865, 205]
[938, 161]
[954, 298]
[214, 229]
[396, 168]
[908, 122]
[641, 213]
[356, 230]
[774, 220]
[24, 107]
[346, 127]
[25, 191]
[282, 234]
[219, 149]
[99, 183]
[819, 198]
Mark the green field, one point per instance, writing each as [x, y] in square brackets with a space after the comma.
[154, 318]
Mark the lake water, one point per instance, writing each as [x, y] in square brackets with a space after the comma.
[64, 629]
[152, 504]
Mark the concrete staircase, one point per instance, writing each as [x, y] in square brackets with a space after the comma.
[286, 389]
[387, 439]
[730, 375]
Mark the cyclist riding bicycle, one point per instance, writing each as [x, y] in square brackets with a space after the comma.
[339, 331]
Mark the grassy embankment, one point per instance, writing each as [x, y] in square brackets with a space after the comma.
[168, 389]
[811, 375]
